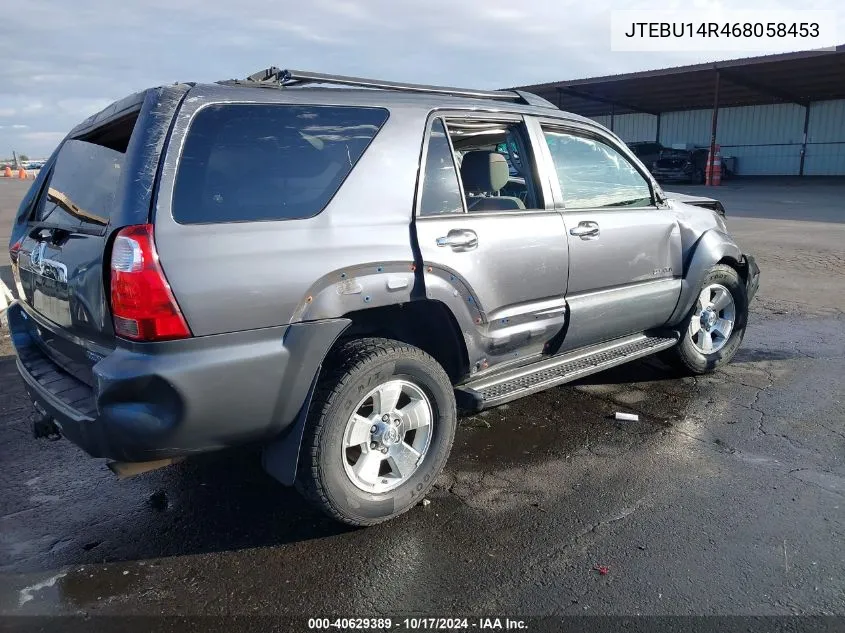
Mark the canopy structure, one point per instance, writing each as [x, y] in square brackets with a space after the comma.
[800, 78]
[785, 78]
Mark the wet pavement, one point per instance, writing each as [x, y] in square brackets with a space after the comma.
[726, 497]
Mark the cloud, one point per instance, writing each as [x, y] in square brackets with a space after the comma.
[63, 61]
[82, 108]
[49, 138]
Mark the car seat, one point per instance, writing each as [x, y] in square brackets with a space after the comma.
[484, 174]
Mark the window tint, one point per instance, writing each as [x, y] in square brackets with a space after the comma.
[441, 192]
[268, 162]
[594, 175]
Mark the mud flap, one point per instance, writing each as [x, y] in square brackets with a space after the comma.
[280, 458]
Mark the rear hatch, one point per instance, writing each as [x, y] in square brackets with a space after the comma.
[97, 181]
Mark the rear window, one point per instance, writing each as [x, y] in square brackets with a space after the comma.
[81, 186]
[243, 163]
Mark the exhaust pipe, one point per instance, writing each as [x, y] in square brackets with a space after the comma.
[124, 470]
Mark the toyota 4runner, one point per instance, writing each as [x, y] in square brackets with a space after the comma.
[333, 266]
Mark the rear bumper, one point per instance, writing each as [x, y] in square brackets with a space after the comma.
[155, 400]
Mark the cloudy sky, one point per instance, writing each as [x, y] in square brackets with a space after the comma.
[62, 60]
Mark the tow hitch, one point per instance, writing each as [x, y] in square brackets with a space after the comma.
[43, 426]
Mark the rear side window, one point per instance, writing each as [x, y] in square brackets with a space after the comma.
[441, 192]
[243, 163]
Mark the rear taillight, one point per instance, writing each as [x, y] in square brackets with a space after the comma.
[14, 250]
[143, 307]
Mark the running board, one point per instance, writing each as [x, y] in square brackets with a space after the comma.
[492, 391]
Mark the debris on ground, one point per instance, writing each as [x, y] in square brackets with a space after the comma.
[630, 417]
[602, 569]
[158, 500]
[426, 503]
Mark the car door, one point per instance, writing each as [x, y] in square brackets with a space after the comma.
[503, 273]
[625, 263]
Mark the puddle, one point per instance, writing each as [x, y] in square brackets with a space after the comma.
[28, 593]
[81, 589]
[90, 586]
[558, 423]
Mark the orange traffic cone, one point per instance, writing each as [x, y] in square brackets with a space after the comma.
[22, 173]
[7, 172]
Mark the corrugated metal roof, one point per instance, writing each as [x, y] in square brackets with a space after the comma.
[789, 77]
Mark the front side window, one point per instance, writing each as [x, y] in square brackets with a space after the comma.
[441, 192]
[245, 162]
[593, 175]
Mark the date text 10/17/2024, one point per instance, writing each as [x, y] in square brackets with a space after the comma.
[419, 623]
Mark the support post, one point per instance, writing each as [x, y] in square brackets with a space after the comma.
[612, 115]
[657, 134]
[804, 142]
[712, 156]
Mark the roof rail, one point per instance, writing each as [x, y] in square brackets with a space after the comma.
[276, 77]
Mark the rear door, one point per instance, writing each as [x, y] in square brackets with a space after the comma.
[100, 179]
[60, 261]
[624, 250]
[502, 272]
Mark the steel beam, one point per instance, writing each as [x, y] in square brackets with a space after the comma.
[804, 142]
[611, 102]
[712, 156]
[741, 80]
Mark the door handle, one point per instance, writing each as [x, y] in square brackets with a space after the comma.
[459, 238]
[585, 230]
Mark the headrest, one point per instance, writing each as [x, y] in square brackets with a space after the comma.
[484, 171]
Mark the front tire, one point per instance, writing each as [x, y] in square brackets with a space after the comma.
[715, 326]
[379, 431]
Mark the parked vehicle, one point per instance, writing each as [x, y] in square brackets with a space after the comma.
[647, 151]
[377, 268]
[679, 164]
[684, 165]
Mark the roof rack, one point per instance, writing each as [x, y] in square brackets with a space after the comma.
[277, 77]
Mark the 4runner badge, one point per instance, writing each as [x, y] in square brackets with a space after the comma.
[662, 271]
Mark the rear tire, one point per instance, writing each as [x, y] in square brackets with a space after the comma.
[715, 326]
[379, 431]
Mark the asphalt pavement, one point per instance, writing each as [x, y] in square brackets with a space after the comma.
[726, 497]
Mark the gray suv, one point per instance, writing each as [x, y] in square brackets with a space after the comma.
[332, 267]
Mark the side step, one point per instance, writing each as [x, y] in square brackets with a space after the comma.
[491, 391]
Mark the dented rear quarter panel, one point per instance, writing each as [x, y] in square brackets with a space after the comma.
[355, 254]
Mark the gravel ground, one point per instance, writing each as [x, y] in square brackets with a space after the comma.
[727, 497]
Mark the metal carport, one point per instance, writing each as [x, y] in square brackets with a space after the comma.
[801, 78]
